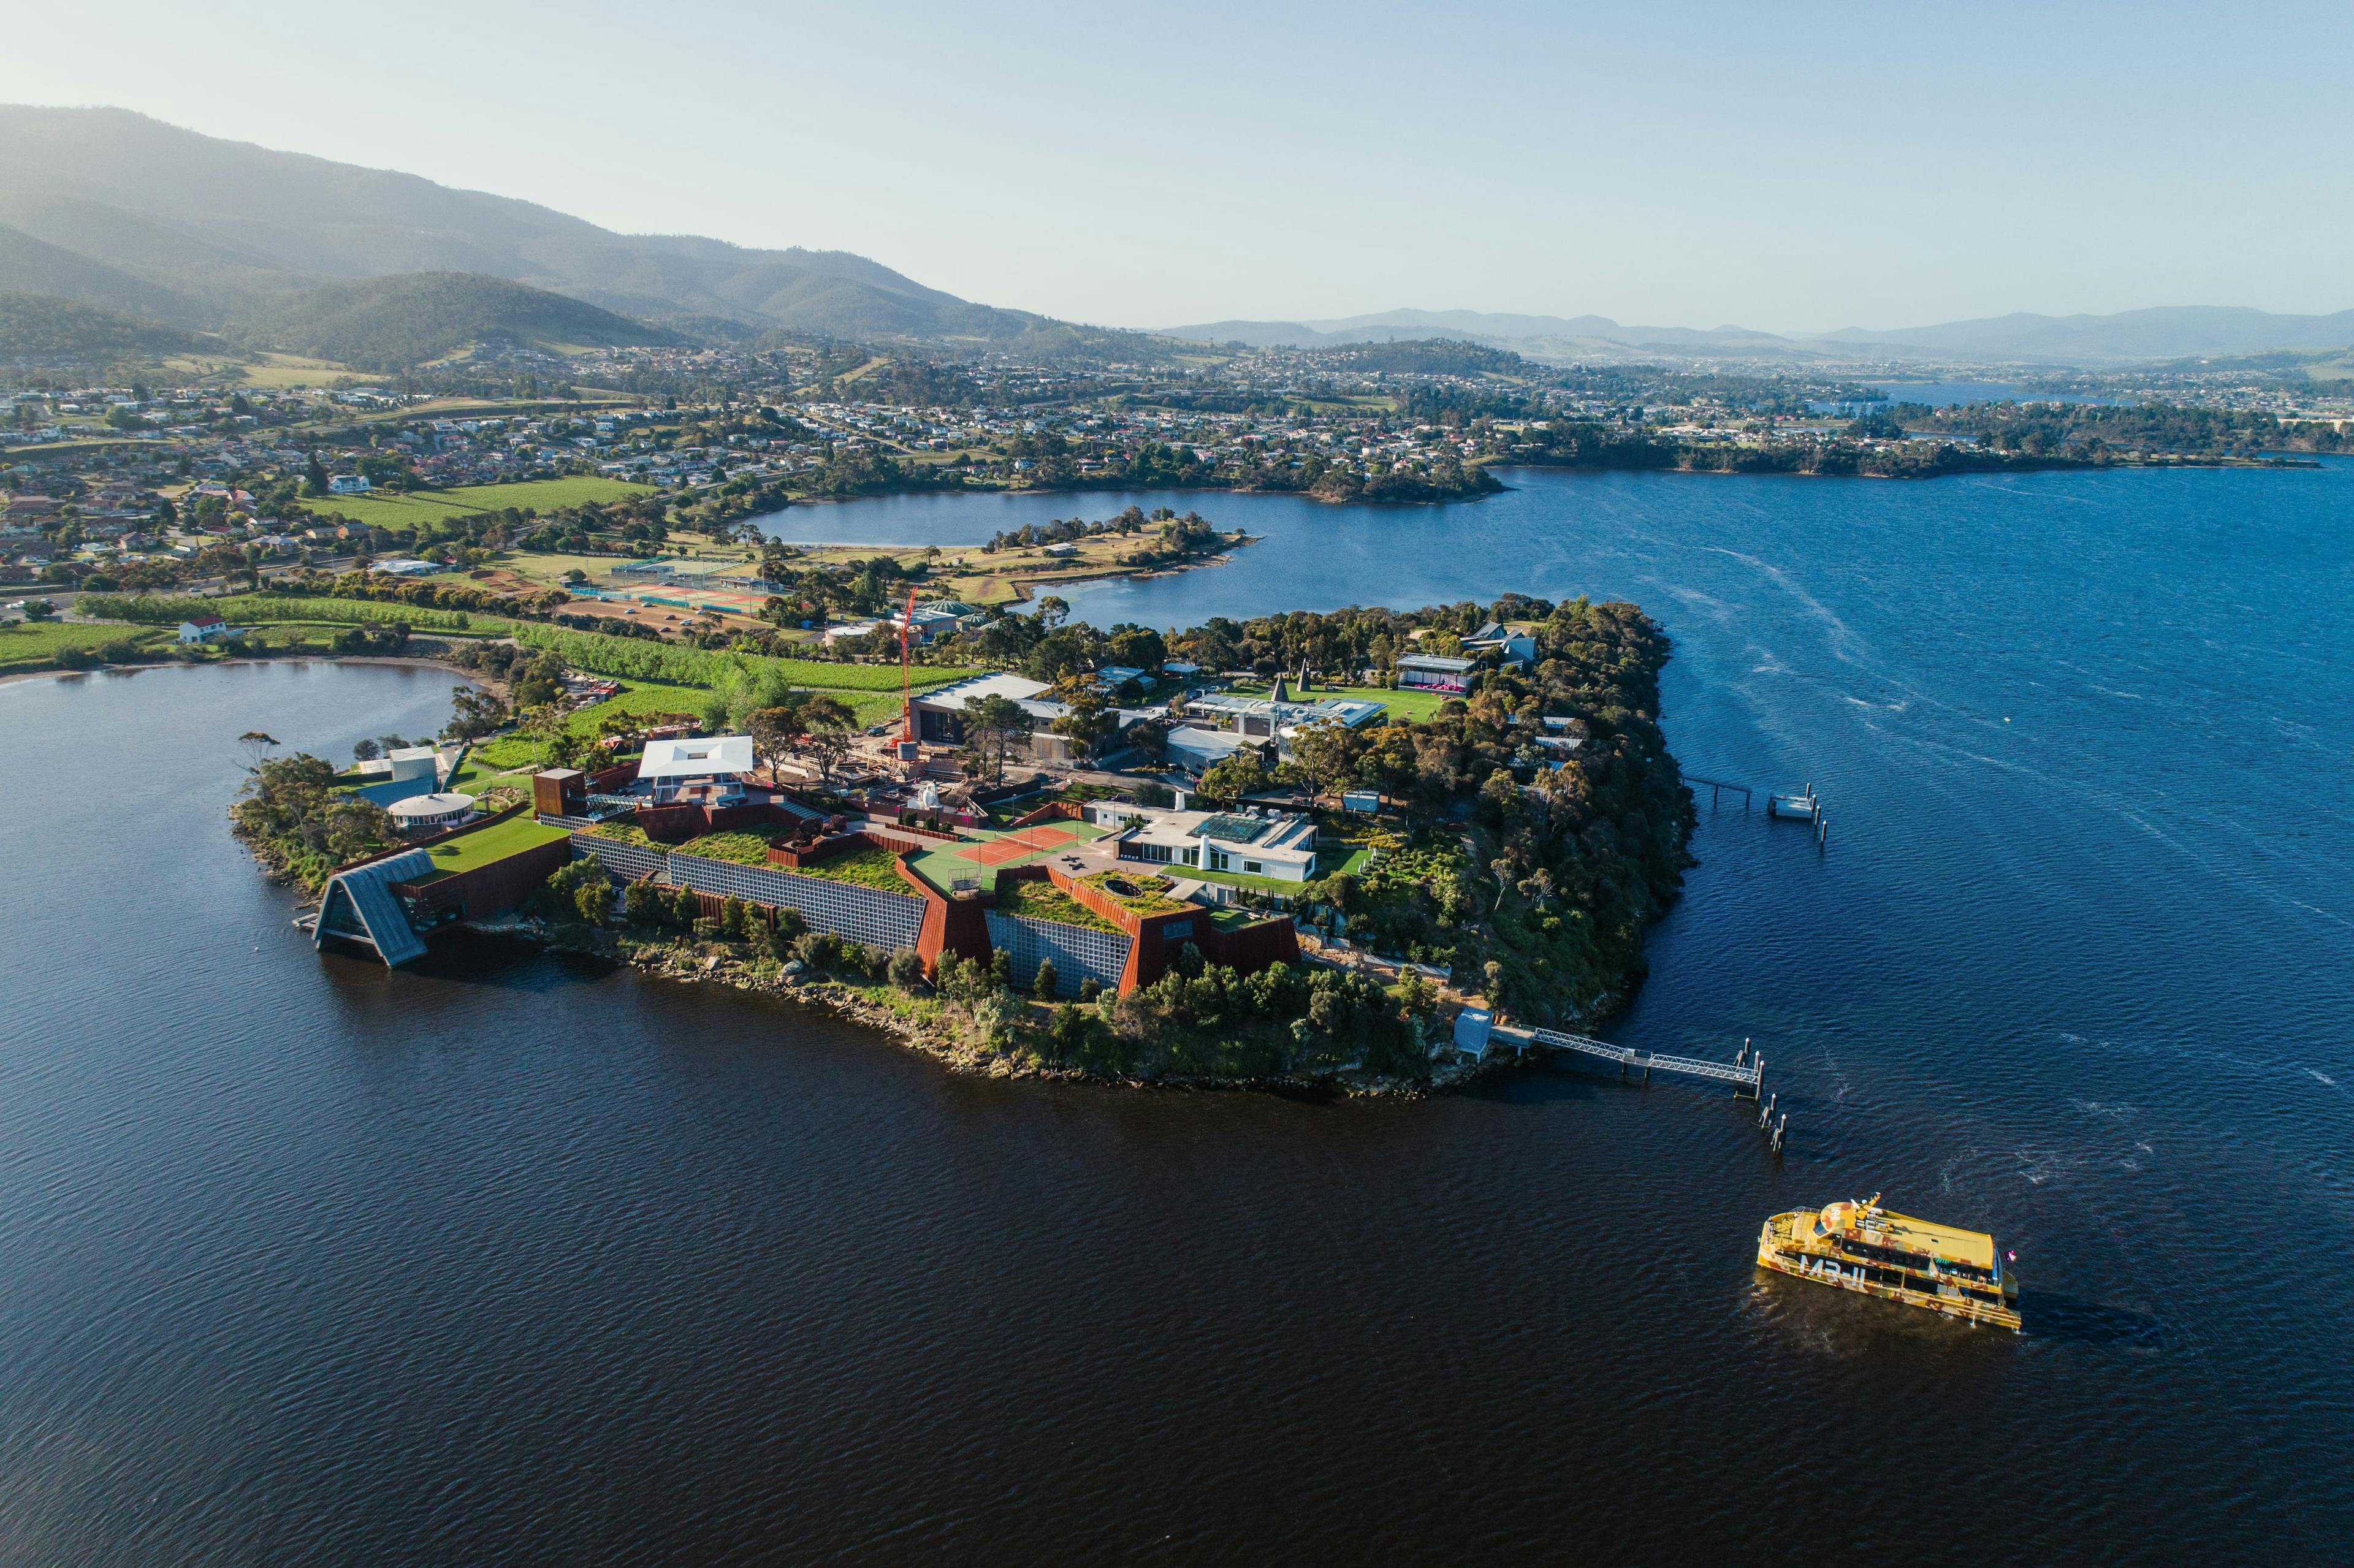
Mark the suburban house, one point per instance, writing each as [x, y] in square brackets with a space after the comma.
[1251, 841]
[203, 628]
[1429, 673]
[705, 772]
[347, 484]
[1514, 647]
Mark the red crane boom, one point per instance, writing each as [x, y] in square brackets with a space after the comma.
[906, 689]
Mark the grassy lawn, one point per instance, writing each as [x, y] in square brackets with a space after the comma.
[31, 646]
[1266, 884]
[1414, 706]
[1044, 901]
[288, 370]
[1146, 894]
[867, 865]
[389, 511]
[514, 751]
[484, 846]
[473, 778]
[749, 847]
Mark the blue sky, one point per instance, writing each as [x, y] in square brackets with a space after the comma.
[1788, 168]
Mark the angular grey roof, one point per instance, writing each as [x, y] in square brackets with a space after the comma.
[366, 893]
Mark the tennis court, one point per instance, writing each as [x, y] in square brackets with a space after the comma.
[978, 863]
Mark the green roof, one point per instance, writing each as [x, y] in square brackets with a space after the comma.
[487, 846]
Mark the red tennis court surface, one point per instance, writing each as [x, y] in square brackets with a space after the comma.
[1013, 846]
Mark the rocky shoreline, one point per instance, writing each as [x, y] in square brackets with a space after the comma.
[921, 1028]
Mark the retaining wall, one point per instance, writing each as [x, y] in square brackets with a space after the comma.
[844, 909]
[1079, 952]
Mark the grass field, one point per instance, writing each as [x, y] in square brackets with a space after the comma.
[1412, 705]
[32, 645]
[495, 842]
[868, 866]
[433, 505]
[1327, 864]
[1044, 901]
[473, 778]
[288, 370]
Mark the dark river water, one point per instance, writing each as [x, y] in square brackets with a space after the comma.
[505, 1259]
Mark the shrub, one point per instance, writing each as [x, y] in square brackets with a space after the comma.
[1046, 983]
[594, 902]
[1090, 989]
[904, 968]
[731, 920]
[644, 904]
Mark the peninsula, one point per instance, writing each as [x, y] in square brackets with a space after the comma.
[1308, 847]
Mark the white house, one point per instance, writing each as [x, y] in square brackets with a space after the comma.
[705, 772]
[203, 628]
[1249, 842]
[347, 484]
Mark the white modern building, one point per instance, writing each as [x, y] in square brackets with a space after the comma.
[421, 812]
[1249, 842]
[707, 771]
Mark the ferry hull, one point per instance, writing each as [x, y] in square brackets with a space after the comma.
[1784, 1254]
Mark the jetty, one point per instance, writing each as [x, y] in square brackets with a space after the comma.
[1745, 1072]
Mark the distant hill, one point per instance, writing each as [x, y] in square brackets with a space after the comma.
[1541, 337]
[387, 324]
[231, 226]
[44, 324]
[35, 267]
[2178, 332]
[2129, 337]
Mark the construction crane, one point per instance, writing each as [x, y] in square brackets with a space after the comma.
[908, 752]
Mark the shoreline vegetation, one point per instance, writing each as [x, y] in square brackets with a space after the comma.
[1533, 826]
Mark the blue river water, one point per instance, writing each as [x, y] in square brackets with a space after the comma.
[508, 1258]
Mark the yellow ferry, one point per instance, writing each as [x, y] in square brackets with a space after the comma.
[1858, 1246]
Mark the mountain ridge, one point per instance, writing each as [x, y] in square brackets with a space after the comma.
[2149, 336]
[222, 227]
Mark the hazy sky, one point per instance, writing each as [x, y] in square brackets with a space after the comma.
[1790, 168]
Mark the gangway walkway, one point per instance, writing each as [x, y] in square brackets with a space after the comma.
[1744, 1073]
